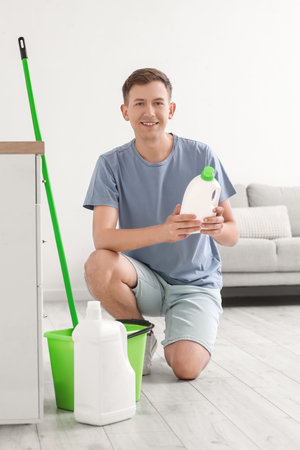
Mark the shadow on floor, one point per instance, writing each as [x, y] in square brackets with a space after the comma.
[261, 301]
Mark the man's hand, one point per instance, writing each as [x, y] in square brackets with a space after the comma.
[213, 225]
[179, 226]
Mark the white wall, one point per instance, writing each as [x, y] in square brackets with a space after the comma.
[235, 69]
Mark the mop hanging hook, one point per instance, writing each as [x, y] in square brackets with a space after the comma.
[22, 47]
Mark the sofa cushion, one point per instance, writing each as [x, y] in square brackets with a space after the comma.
[288, 253]
[240, 199]
[262, 255]
[269, 222]
[264, 195]
[249, 255]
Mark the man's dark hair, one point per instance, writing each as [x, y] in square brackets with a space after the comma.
[145, 76]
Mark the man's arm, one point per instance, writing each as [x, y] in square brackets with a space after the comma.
[223, 227]
[175, 228]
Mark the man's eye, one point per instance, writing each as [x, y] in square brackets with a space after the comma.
[139, 104]
[159, 103]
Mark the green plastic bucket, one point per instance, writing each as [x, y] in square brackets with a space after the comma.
[61, 350]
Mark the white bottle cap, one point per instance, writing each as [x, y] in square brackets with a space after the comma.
[93, 310]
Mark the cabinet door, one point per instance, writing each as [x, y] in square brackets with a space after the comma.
[19, 395]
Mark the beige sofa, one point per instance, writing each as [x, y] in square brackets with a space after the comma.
[266, 260]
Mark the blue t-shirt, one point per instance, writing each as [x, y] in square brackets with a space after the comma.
[146, 194]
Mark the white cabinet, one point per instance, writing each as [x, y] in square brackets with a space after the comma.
[21, 366]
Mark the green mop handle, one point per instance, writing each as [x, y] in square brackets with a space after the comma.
[57, 234]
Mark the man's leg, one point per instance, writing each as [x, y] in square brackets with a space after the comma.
[186, 358]
[192, 317]
[110, 277]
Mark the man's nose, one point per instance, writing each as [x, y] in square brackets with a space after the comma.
[149, 110]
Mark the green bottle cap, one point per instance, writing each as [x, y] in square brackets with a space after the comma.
[208, 173]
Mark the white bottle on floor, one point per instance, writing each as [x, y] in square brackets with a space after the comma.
[104, 381]
[201, 195]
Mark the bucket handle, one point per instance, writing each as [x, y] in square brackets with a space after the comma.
[148, 326]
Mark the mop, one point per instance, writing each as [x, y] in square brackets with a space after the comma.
[47, 185]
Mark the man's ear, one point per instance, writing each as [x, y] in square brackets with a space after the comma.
[124, 112]
[172, 108]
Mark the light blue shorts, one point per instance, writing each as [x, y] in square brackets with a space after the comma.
[191, 312]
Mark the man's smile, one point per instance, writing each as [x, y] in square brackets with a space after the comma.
[149, 124]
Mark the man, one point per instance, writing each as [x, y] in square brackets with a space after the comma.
[151, 265]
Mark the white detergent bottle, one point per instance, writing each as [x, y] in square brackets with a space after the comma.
[104, 381]
[201, 195]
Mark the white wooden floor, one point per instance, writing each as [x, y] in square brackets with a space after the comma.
[247, 398]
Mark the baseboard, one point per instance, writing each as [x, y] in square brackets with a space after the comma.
[56, 295]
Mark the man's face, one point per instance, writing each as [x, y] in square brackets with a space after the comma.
[148, 110]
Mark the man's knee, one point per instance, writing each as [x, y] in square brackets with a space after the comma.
[100, 265]
[187, 360]
[185, 369]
